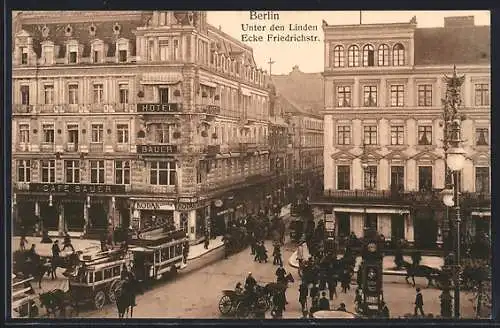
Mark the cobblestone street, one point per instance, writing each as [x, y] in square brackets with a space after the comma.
[195, 293]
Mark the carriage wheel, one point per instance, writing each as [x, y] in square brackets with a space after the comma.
[99, 299]
[263, 303]
[113, 290]
[225, 305]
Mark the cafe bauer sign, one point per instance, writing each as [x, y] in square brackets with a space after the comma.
[76, 188]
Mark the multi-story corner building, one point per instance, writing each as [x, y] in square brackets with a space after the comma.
[136, 118]
[384, 127]
[299, 99]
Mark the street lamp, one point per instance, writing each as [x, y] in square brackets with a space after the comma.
[455, 160]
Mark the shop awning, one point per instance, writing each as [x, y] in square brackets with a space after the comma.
[246, 92]
[208, 84]
[481, 214]
[161, 78]
[382, 210]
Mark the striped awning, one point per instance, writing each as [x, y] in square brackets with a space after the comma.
[381, 210]
[209, 84]
[481, 213]
[161, 78]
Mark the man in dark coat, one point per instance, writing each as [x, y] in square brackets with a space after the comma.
[250, 284]
[324, 303]
[277, 256]
[281, 275]
[419, 303]
[303, 290]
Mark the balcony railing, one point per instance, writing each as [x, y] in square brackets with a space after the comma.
[209, 109]
[47, 147]
[213, 150]
[96, 147]
[152, 189]
[71, 147]
[361, 195]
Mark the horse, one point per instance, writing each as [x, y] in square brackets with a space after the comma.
[272, 288]
[124, 300]
[58, 300]
[421, 271]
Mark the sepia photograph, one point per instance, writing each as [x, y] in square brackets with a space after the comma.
[250, 165]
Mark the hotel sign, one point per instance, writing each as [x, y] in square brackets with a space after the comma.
[158, 108]
[77, 188]
[157, 149]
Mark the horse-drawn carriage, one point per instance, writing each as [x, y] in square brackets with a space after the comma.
[233, 302]
[157, 253]
[97, 278]
[24, 298]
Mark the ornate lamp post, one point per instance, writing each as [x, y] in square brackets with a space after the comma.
[455, 160]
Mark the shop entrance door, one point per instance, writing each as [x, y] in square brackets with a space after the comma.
[49, 216]
[397, 228]
[73, 216]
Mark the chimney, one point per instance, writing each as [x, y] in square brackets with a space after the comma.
[295, 69]
[459, 21]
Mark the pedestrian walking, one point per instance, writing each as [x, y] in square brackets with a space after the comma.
[277, 256]
[303, 296]
[419, 303]
[346, 281]
[23, 242]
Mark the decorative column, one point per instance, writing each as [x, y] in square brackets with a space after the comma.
[409, 237]
[177, 219]
[62, 222]
[86, 207]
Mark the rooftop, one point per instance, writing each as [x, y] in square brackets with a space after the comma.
[454, 44]
[302, 90]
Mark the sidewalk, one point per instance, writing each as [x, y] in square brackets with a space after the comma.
[198, 250]
[387, 263]
[46, 249]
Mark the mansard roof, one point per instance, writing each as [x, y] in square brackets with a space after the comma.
[81, 32]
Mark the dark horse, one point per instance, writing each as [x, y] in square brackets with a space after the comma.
[273, 288]
[124, 299]
[58, 300]
[31, 265]
[423, 271]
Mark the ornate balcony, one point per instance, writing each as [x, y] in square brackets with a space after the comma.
[346, 196]
[96, 147]
[208, 109]
[152, 189]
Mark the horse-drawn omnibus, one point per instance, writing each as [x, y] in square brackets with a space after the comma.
[158, 252]
[24, 298]
[98, 276]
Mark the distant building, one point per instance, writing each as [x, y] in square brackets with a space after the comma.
[134, 119]
[383, 88]
[299, 99]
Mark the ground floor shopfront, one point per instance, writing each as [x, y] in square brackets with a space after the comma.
[423, 226]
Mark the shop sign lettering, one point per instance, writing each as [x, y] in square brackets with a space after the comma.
[76, 188]
[157, 149]
[153, 206]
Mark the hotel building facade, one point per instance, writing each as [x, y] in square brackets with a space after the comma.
[383, 118]
[134, 119]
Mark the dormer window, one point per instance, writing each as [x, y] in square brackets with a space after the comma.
[122, 51]
[72, 53]
[97, 53]
[24, 55]
[48, 54]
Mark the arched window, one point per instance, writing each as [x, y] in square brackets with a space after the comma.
[383, 55]
[368, 55]
[398, 55]
[338, 56]
[353, 56]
